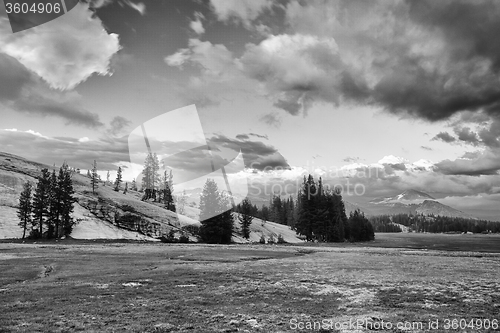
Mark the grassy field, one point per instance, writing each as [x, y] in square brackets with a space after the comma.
[144, 287]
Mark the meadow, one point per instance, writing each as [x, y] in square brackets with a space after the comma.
[428, 282]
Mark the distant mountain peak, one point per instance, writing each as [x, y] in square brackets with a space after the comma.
[410, 196]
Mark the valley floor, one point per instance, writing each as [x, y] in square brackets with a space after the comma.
[155, 287]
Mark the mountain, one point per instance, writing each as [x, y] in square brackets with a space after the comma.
[406, 197]
[436, 208]
[108, 214]
[413, 202]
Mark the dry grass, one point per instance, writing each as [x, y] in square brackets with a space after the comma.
[134, 287]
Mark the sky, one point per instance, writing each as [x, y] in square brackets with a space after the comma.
[381, 96]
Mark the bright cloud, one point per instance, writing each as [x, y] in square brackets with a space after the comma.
[65, 51]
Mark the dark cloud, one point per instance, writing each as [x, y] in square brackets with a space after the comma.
[472, 164]
[247, 136]
[256, 154]
[271, 119]
[444, 136]
[14, 77]
[242, 137]
[118, 124]
[26, 93]
[490, 136]
[79, 154]
[43, 105]
[426, 148]
[291, 105]
[466, 135]
[470, 27]
[259, 136]
[470, 39]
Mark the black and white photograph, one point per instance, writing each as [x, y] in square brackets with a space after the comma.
[249, 166]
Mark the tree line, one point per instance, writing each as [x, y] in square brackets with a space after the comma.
[318, 214]
[438, 224]
[383, 223]
[156, 187]
[45, 208]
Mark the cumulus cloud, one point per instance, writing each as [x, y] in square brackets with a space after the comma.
[178, 58]
[424, 59]
[486, 162]
[64, 52]
[244, 11]
[197, 25]
[466, 135]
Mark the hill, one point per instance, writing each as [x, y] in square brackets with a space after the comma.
[107, 214]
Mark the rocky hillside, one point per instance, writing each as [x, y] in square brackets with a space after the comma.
[106, 213]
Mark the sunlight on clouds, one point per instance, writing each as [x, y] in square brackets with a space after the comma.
[65, 51]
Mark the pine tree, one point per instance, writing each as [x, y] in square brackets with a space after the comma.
[245, 217]
[151, 176]
[118, 180]
[53, 220]
[134, 185]
[41, 201]
[215, 215]
[126, 188]
[168, 198]
[67, 201]
[25, 207]
[94, 179]
[360, 228]
[107, 179]
[307, 214]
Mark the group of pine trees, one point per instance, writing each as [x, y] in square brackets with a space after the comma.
[321, 216]
[439, 224]
[383, 223]
[215, 215]
[155, 186]
[45, 209]
[318, 214]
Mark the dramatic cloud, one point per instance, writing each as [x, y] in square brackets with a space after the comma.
[15, 74]
[425, 59]
[486, 162]
[466, 135]
[26, 93]
[257, 155]
[64, 52]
